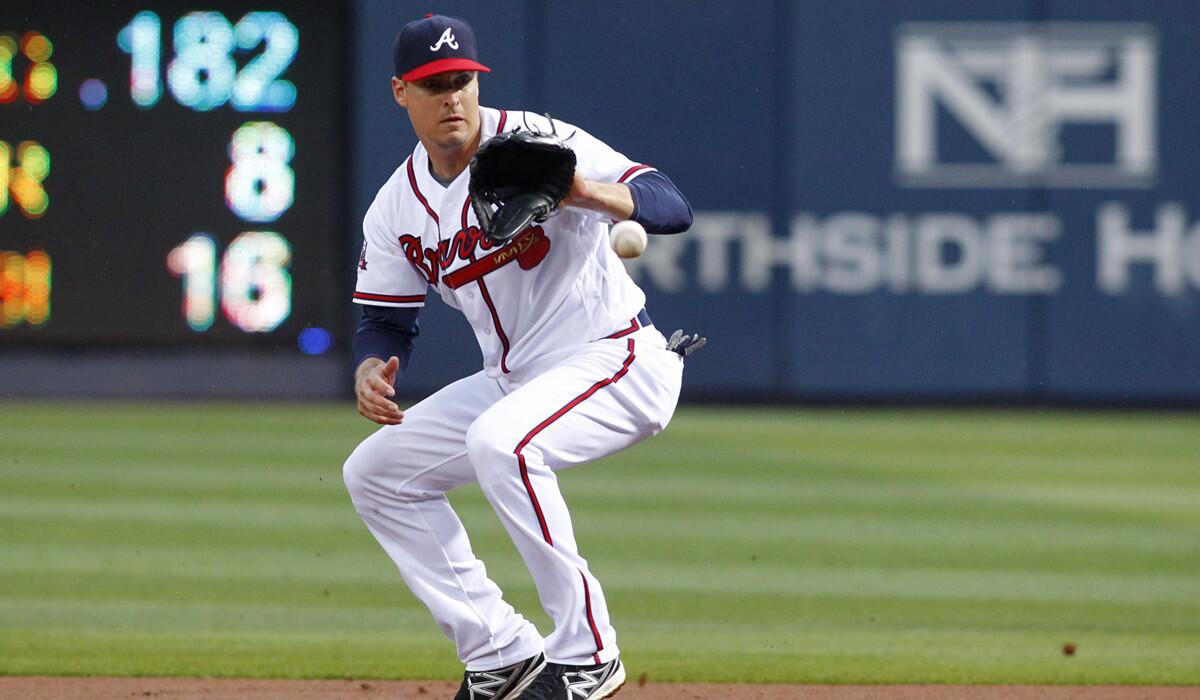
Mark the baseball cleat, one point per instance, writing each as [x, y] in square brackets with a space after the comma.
[562, 682]
[501, 684]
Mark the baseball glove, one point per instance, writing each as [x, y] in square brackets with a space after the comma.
[517, 178]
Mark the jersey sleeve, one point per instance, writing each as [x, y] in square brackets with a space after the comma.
[385, 276]
[598, 161]
[595, 159]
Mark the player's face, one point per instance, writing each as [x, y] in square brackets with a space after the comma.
[443, 108]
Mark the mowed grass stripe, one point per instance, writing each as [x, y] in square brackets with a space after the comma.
[759, 577]
[786, 614]
[876, 459]
[252, 508]
[824, 541]
[854, 574]
[983, 500]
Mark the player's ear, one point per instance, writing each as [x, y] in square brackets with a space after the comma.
[400, 92]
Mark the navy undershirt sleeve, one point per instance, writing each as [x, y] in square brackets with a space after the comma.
[384, 331]
[658, 205]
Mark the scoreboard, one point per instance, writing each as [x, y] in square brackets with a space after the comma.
[171, 174]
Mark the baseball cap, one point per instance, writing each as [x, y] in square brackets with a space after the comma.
[435, 44]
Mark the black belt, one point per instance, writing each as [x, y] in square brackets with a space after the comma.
[644, 318]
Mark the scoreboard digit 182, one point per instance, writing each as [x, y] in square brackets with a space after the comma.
[170, 174]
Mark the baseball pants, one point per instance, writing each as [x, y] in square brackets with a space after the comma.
[511, 435]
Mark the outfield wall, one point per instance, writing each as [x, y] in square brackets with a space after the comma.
[894, 200]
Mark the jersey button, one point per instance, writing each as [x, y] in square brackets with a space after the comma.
[487, 331]
[470, 295]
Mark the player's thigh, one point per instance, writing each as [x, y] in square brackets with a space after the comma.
[609, 396]
[425, 455]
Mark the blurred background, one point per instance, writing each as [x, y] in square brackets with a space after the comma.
[918, 201]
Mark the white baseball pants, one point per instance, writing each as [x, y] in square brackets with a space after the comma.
[511, 434]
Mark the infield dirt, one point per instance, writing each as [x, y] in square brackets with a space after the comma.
[81, 688]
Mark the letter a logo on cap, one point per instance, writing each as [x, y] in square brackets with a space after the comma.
[447, 38]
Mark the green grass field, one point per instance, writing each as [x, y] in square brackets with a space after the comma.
[742, 544]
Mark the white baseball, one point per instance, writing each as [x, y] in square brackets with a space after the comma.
[628, 239]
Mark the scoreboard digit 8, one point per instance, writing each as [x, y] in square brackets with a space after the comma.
[171, 174]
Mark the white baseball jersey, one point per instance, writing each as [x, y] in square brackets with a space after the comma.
[554, 284]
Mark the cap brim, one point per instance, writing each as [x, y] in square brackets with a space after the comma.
[444, 65]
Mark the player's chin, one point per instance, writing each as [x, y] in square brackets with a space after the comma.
[453, 134]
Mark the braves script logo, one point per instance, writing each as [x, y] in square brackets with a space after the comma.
[447, 38]
[528, 248]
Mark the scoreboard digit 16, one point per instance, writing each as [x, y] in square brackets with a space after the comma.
[171, 175]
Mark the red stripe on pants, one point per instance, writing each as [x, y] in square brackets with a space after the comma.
[537, 508]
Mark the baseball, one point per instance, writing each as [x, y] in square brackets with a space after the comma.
[628, 239]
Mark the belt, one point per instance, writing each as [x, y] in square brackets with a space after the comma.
[636, 323]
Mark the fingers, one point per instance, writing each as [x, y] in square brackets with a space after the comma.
[377, 383]
[381, 379]
[380, 418]
[693, 345]
[379, 410]
[385, 380]
[376, 401]
[685, 344]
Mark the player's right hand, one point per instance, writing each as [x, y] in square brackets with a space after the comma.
[373, 384]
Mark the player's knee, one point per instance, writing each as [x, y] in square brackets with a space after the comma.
[482, 439]
[490, 446]
[357, 473]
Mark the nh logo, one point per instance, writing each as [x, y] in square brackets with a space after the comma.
[1019, 105]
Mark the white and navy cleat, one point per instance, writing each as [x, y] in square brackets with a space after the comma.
[503, 683]
[563, 682]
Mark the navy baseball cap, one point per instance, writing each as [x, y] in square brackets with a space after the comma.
[435, 44]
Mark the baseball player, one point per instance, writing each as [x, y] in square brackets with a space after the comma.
[573, 370]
